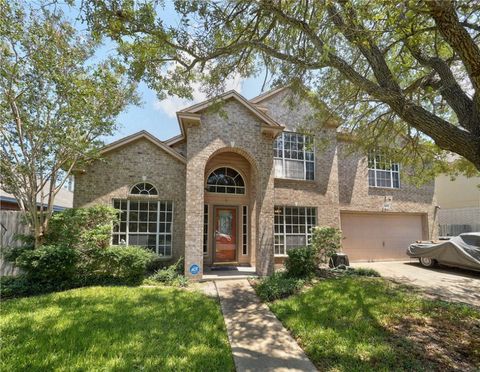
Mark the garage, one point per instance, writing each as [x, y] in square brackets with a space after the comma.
[379, 236]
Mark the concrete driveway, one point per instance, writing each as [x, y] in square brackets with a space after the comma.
[449, 284]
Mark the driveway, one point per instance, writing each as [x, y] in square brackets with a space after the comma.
[449, 284]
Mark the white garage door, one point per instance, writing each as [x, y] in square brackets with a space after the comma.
[379, 236]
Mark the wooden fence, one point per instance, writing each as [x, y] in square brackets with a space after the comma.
[11, 224]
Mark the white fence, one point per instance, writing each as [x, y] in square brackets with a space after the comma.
[11, 224]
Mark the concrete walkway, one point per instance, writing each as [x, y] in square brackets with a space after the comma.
[258, 339]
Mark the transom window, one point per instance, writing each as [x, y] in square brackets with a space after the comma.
[144, 188]
[293, 227]
[144, 223]
[382, 172]
[294, 156]
[225, 181]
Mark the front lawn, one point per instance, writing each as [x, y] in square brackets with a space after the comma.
[114, 328]
[364, 324]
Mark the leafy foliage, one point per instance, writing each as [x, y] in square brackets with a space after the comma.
[362, 271]
[55, 105]
[326, 241]
[49, 264]
[388, 73]
[82, 227]
[279, 285]
[170, 275]
[117, 264]
[20, 286]
[301, 262]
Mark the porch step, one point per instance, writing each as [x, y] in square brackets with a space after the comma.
[235, 273]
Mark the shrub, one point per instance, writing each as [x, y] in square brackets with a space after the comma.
[171, 275]
[82, 227]
[362, 271]
[119, 264]
[48, 264]
[277, 286]
[20, 286]
[301, 262]
[11, 254]
[326, 241]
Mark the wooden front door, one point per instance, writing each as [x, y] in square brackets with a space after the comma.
[225, 234]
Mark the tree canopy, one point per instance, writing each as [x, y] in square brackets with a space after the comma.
[55, 104]
[404, 73]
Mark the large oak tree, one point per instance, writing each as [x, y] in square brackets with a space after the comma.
[395, 72]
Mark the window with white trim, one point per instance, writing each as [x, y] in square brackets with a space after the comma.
[293, 228]
[245, 230]
[225, 180]
[144, 188]
[205, 229]
[147, 223]
[383, 172]
[294, 156]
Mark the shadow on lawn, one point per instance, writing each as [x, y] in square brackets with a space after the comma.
[112, 328]
[352, 324]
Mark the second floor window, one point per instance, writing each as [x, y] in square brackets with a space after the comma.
[294, 156]
[382, 172]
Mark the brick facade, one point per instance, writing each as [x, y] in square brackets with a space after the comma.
[113, 176]
[237, 132]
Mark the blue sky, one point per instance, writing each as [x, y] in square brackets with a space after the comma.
[152, 115]
[159, 117]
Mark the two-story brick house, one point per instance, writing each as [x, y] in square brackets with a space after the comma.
[240, 186]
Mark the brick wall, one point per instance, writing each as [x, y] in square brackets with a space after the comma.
[215, 134]
[113, 176]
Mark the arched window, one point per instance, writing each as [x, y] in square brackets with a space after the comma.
[225, 181]
[144, 188]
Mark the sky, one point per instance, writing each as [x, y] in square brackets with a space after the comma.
[154, 116]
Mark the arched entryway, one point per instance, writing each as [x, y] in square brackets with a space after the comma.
[229, 204]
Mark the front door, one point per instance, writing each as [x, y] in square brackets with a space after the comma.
[225, 234]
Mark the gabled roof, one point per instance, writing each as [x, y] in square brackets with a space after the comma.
[190, 115]
[267, 94]
[145, 135]
[174, 140]
[228, 95]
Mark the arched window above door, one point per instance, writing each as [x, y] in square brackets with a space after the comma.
[225, 180]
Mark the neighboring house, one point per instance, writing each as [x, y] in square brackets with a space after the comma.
[239, 186]
[63, 200]
[459, 202]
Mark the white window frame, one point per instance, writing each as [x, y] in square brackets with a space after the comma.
[304, 160]
[372, 159]
[206, 213]
[245, 230]
[284, 234]
[237, 187]
[157, 234]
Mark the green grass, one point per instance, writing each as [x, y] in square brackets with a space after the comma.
[364, 324]
[114, 329]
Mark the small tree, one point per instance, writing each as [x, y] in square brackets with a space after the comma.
[54, 106]
[326, 241]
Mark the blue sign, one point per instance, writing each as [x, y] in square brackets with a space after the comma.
[194, 269]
